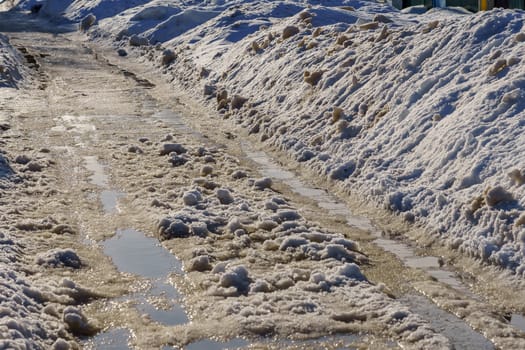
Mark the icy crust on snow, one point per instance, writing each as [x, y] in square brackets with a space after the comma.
[423, 115]
[253, 263]
[12, 70]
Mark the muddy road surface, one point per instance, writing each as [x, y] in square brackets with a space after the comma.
[142, 220]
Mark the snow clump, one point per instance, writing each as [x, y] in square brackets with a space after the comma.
[87, 22]
[59, 258]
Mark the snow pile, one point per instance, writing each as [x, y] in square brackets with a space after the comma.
[5, 172]
[421, 114]
[59, 258]
[12, 71]
[424, 120]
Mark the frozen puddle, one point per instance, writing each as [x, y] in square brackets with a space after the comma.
[132, 252]
[77, 124]
[176, 122]
[98, 176]
[109, 199]
[518, 321]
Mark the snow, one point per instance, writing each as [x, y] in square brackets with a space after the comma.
[172, 147]
[263, 183]
[264, 269]
[12, 71]
[224, 196]
[31, 314]
[59, 258]
[25, 320]
[419, 113]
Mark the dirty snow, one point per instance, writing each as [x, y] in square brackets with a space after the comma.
[256, 265]
[38, 315]
[12, 71]
[419, 114]
[28, 313]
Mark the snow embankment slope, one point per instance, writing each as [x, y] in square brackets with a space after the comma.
[425, 120]
[12, 73]
[420, 114]
[12, 70]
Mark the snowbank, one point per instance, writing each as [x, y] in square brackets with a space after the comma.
[431, 119]
[12, 71]
[420, 114]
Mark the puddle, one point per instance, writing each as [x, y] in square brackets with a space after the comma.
[113, 339]
[333, 342]
[132, 252]
[460, 335]
[135, 253]
[518, 321]
[210, 344]
[108, 197]
[338, 341]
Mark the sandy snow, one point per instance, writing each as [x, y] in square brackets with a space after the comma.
[35, 312]
[253, 263]
[24, 321]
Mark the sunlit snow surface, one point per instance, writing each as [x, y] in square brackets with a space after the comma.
[429, 117]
